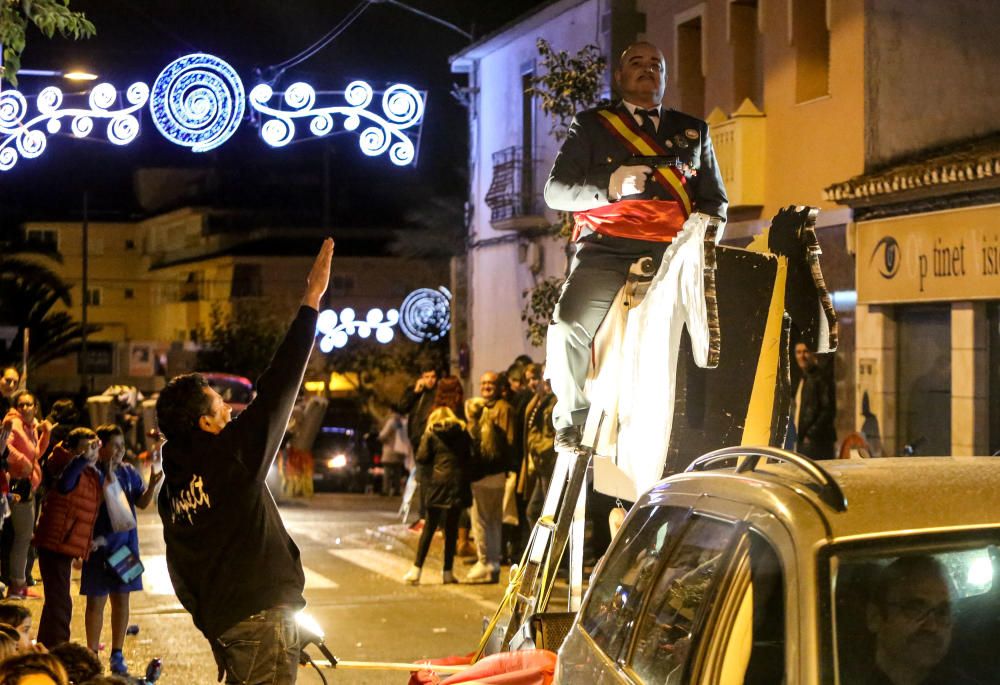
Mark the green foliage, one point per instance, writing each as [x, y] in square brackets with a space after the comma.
[537, 312]
[28, 291]
[569, 84]
[49, 16]
[241, 342]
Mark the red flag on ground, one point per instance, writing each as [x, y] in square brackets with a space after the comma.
[528, 667]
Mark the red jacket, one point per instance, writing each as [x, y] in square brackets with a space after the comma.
[25, 445]
[67, 522]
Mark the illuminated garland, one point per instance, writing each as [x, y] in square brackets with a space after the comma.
[336, 330]
[198, 101]
[23, 137]
[402, 107]
[425, 315]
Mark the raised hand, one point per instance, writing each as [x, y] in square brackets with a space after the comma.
[319, 276]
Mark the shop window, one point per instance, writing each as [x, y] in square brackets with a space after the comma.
[811, 39]
[690, 79]
[747, 72]
[924, 379]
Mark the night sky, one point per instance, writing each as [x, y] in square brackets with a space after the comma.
[136, 39]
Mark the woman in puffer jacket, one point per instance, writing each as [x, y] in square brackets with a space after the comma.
[29, 438]
[445, 452]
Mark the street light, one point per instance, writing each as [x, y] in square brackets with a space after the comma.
[76, 75]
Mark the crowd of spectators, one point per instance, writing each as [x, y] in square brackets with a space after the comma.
[482, 464]
[67, 498]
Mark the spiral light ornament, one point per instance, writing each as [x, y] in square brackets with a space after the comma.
[358, 94]
[402, 105]
[426, 314]
[373, 141]
[49, 100]
[81, 126]
[123, 129]
[198, 102]
[13, 108]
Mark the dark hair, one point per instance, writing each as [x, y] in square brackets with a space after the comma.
[80, 663]
[108, 431]
[16, 397]
[515, 372]
[181, 404]
[12, 669]
[537, 370]
[448, 393]
[78, 435]
[13, 613]
[902, 570]
[64, 411]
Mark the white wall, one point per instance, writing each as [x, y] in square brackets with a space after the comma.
[496, 276]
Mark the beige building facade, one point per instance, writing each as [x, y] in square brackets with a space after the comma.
[152, 286]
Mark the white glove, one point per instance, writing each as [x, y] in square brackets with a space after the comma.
[628, 180]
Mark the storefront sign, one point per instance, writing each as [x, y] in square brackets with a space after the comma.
[948, 255]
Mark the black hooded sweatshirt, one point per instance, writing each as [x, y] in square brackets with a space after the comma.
[228, 553]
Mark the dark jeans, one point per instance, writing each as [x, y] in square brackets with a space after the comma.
[434, 516]
[260, 650]
[57, 612]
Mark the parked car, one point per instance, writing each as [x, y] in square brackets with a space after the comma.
[237, 391]
[782, 570]
[341, 459]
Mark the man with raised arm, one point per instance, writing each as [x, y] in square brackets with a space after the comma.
[231, 561]
[625, 208]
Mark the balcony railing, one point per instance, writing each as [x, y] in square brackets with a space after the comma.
[739, 147]
[511, 198]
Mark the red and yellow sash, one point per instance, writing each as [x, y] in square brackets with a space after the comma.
[657, 220]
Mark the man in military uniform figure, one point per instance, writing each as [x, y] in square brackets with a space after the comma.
[625, 209]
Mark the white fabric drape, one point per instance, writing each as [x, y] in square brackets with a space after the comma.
[636, 369]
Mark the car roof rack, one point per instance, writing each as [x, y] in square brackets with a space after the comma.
[829, 490]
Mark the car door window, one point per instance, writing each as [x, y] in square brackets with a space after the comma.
[928, 609]
[680, 595]
[616, 597]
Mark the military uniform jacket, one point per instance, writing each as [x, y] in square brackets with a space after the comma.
[582, 170]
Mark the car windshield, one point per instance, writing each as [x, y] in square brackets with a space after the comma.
[921, 613]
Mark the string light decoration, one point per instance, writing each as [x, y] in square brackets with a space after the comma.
[198, 101]
[337, 329]
[425, 315]
[402, 107]
[21, 136]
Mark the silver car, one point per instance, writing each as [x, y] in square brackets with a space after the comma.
[781, 570]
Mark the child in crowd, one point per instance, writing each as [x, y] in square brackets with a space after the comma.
[8, 643]
[66, 526]
[98, 580]
[80, 662]
[37, 668]
[17, 616]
